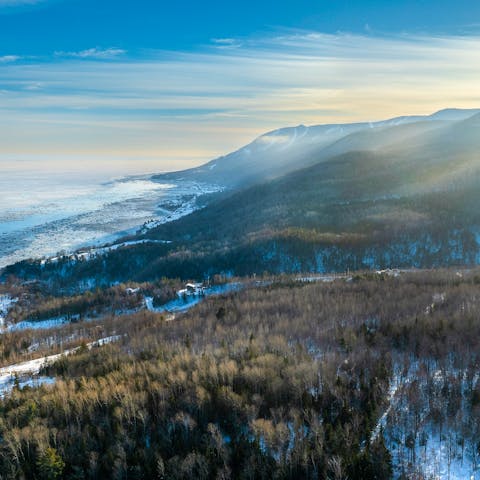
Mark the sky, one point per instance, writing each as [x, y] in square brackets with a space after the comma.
[153, 85]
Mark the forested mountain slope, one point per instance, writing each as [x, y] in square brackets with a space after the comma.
[394, 196]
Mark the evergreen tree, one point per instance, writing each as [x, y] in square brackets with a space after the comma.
[50, 465]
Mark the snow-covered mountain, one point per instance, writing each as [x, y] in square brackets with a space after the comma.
[282, 151]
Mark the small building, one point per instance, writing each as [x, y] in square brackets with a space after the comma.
[132, 291]
[192, 289]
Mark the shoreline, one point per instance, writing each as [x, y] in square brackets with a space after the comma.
[155, 203]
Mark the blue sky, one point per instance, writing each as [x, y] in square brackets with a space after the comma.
[39, 27]
[161, 85]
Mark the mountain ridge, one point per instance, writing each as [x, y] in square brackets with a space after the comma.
[270, 155]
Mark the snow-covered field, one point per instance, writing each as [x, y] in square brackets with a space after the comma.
[37, 223]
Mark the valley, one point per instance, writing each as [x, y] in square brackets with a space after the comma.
[311, 314]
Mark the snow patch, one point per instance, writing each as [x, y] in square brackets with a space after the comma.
[30, 369]
[37, 325]
[6, 302]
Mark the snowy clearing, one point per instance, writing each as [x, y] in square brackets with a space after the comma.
[6, 302]
[184, 302]
[37, 325]
[31, 368]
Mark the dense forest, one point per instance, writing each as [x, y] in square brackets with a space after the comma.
[353, 378]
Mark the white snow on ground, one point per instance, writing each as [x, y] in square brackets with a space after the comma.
[37, 325]
[105, 341]
[184, 303]
[36, 382]
[7, 383]
[149, 304]
[448, 453]
[30, 369]
[441, 460]
[51, 323]
[6, 302]
[320, 278]
[391, 399]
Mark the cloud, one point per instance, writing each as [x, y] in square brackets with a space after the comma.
[9, 58]
[93, 53]
[226, 43]
[214, 100]
[6, 6]
[18, 3]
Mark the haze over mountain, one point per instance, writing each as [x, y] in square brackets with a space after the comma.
[282, 151]
[398, 193]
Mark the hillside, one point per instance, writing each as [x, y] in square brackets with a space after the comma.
[395, 196]
[362, 190]
[368, 377]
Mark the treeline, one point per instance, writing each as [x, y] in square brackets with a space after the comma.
[288, 250]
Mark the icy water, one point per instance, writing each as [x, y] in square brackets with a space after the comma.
[46, 212]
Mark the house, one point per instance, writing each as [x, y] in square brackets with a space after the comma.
[192, 289]
[390, 272]
[132, 291]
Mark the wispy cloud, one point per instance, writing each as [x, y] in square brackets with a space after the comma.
[9, 58]
[19, 3]
[226, 42]
[168, 105]
[93, 53]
